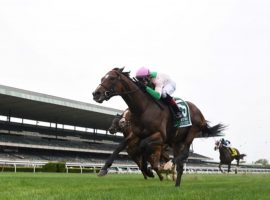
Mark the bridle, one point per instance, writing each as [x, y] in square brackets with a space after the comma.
[110, 92]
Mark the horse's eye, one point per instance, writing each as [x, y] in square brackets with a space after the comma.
[112, 78]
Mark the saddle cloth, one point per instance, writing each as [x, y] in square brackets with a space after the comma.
[233, 151]
[185, 120]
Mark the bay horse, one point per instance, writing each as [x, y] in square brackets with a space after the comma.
[153, 121]
[122, 123]
[226, 156]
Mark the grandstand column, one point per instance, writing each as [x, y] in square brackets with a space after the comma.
[8, 119]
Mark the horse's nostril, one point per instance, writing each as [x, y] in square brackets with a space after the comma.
[96, 94]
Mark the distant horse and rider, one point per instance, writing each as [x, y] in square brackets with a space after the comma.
[227, 154]
[153, 122]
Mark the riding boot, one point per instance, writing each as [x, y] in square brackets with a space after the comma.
[177, 111]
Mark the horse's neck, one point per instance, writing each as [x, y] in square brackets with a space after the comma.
[136, 101]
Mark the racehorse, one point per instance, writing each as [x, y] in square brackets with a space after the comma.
[226, 156]
[152, 121]
[121, 123]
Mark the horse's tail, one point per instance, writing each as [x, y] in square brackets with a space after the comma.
[241, 156]
[208, 131]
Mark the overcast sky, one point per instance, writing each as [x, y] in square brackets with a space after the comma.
[218, 52]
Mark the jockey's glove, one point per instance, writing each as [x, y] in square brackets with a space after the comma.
[141, 85]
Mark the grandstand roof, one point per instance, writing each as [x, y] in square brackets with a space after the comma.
[25, 104]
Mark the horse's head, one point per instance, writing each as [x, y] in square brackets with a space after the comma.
[120, 123]
[112, 84]
[114, 128]
[217, 145]
[124, 122]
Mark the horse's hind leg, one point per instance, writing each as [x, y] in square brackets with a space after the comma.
[229, 167]
[179, 173]
[179, 156]
[236, 168]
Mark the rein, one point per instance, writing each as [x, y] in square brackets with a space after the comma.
[110, 92]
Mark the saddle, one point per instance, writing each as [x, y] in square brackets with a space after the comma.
[231, 150]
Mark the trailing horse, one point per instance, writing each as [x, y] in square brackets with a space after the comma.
[227, 155]
[122, 123]
[152, 121]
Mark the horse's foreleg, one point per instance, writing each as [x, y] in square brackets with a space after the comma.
[219, 166]
[145, 151]
[138, 161]
[154, 160]
[109, 161]
[151, 148]
[229, 167]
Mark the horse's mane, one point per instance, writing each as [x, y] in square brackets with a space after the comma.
[134, 80]
[120, 70]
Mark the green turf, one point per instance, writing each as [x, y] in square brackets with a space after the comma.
[116, 187]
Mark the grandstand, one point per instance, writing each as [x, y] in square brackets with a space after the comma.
[40, 127]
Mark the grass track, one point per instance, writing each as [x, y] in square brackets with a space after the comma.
[43, 186]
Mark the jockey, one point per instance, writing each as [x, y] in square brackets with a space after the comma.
[225, 143]
[163, 88]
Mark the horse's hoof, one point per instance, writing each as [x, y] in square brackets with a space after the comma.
[150, 173]
[102, 172]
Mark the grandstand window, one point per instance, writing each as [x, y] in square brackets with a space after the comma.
[90, 130]
[29, 121]
[68, 127]
[53, 125]
[78, 128]
[47, 124]
[59, 125]
[3, 118]
[15, 119]
[101, 131]
[119, 134]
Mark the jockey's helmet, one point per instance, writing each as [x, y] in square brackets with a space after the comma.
[142, 72]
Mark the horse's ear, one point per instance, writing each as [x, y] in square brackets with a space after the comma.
[121, 69]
